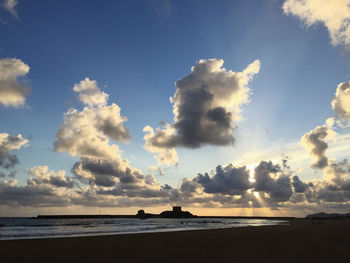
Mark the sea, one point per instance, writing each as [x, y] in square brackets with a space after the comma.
[33, 228]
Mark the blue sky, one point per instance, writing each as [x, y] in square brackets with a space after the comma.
[137, 50]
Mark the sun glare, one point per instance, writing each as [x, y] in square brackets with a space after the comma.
[251, 167]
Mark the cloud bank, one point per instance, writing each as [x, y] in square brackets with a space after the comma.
[274, 186]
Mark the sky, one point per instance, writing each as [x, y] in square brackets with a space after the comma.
[223, 107]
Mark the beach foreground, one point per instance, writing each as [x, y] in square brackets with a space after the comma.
[301, 241]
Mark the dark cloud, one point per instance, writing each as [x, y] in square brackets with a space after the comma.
[299, 186]
[10, 143]
[314, 142]
[229, 180]
[270, 178]
[119, 179]
[30, 195]
[189, 185]
[105, 172]
[331, 193]
[56, 181]
[206, 104]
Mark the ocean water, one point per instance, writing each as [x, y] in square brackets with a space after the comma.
[30, 228]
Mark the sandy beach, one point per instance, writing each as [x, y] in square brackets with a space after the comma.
[301, 241]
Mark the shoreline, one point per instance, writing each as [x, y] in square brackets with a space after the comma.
[136, 233]
[124, 233]
[301, 241]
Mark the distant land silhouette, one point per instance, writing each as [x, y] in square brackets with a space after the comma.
[324, 215]
[178, 213]
[175, 213]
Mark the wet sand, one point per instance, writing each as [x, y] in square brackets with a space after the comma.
[301, 241]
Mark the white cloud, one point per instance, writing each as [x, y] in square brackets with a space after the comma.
[167, 157]
[87, 133]
[80, 135]
[12, 92]
[334, 14]
[42, 175]
[341, 101]
[89, 93]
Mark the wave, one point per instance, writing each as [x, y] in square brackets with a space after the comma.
[33, 228]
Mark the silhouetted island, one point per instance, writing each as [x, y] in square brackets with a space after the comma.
[175, 213]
